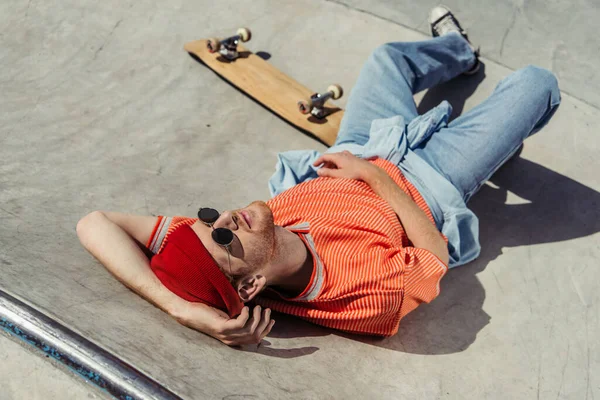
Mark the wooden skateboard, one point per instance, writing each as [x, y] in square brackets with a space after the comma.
[311, 112]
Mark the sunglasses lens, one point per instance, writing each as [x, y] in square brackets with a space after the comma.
[208, 215]
[222, 236]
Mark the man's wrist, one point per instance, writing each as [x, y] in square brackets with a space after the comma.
[175, 306]
[375, 178]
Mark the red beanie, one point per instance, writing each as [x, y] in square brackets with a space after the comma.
[187, 269]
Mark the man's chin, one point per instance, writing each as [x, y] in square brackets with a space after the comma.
[264, 212]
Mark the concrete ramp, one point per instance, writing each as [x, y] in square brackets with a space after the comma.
[101, 109]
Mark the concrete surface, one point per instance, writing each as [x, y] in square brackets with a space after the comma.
[102, 109]
[26, 375]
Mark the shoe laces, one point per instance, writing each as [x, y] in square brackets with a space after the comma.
[446, 25]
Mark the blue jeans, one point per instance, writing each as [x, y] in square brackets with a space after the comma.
[473, 146]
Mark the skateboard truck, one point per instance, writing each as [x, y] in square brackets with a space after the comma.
[228, 47]
[315, 104]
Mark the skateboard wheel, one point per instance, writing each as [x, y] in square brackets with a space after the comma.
[244, 34]
[304, 106]
[336, 90]
[213, 45]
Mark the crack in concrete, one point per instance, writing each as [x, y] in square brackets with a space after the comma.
[558, 48]
[498, 282]
[512, 24]
[8, 212]
[27, 10]
[587, 343]
[349, 7]
[539, 373]
[577, 287]
[562, 379]
[107, 38]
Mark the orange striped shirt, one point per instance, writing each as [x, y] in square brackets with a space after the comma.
[366, 274]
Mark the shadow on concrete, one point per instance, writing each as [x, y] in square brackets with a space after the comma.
[288, 327]
[554, 208]
[263, 54]
[455, 91]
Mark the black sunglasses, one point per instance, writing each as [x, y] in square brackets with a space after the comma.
[222, 236]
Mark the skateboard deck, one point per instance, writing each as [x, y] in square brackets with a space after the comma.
[272, 88]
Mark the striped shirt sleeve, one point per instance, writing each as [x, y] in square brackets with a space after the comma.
[423, 272]
[163, 227]
[158, 234]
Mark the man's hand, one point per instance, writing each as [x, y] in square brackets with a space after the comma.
[231, 331]
[346, 165]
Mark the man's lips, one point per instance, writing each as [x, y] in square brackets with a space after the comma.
[247, 218]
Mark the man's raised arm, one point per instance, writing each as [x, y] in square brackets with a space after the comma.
[111, 239]
[122, 257]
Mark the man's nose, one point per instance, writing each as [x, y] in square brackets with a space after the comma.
[226, 220]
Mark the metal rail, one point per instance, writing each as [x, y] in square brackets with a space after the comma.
[84, 358]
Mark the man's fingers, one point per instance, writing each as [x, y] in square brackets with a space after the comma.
[240, 321]
[254, 332]
[322, 159]
[328, 172]
[255, 320]
[332, 158]
[327, 158]
[267, 330]
[264, 323]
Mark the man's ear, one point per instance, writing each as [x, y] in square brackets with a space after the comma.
[250, 286]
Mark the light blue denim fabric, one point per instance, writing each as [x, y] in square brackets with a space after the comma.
[447, 163]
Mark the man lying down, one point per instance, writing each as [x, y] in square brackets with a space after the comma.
[353, 239]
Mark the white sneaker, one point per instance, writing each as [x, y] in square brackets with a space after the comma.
[442, 21]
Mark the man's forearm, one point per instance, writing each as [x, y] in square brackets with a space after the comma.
[122, 257]
[419, 229]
